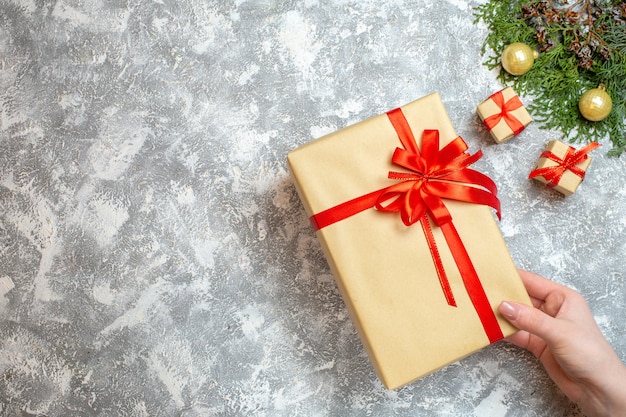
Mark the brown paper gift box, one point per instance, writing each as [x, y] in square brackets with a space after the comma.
[501, 132]
[569, 182]
[383, 268]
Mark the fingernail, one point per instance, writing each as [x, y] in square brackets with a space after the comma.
[508, 310]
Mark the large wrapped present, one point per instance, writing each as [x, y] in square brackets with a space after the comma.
[407, 229]
[562, 167]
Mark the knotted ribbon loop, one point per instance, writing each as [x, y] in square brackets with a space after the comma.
[440, 174]
[568, 162]
[432, 175]
[513, 103]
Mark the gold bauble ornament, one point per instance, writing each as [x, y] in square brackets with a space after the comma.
[595, 104]
[518, 58]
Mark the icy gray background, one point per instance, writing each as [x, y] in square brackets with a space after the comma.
[154, 257]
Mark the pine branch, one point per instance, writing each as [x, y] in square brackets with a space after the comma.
[581, 43]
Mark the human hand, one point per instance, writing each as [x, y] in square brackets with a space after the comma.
[562, 333]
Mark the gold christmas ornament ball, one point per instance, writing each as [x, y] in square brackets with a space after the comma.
[595, 104]
[518, 58]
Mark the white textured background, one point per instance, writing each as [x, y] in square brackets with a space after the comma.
[154, 257]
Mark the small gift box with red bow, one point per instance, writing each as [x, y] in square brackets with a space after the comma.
[407, 229]
[504, 115]
[562, 167]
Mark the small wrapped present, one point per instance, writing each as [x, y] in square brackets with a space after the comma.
[562, 167]
[504, 115]
[408, 232]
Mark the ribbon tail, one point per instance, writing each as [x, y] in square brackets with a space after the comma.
[434, 252]
[491, 121]
[514, 124]
[472, 283]
[552, 175]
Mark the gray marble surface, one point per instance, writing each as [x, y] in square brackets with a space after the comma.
[154, 257]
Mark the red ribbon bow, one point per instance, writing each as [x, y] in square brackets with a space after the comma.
[572, 158]
[433, 174]
[513, 103]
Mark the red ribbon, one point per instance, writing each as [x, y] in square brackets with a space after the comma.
[432, 174]
[513, 103]
[572, 158]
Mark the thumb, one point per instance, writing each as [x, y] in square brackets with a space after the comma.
[530, 319]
